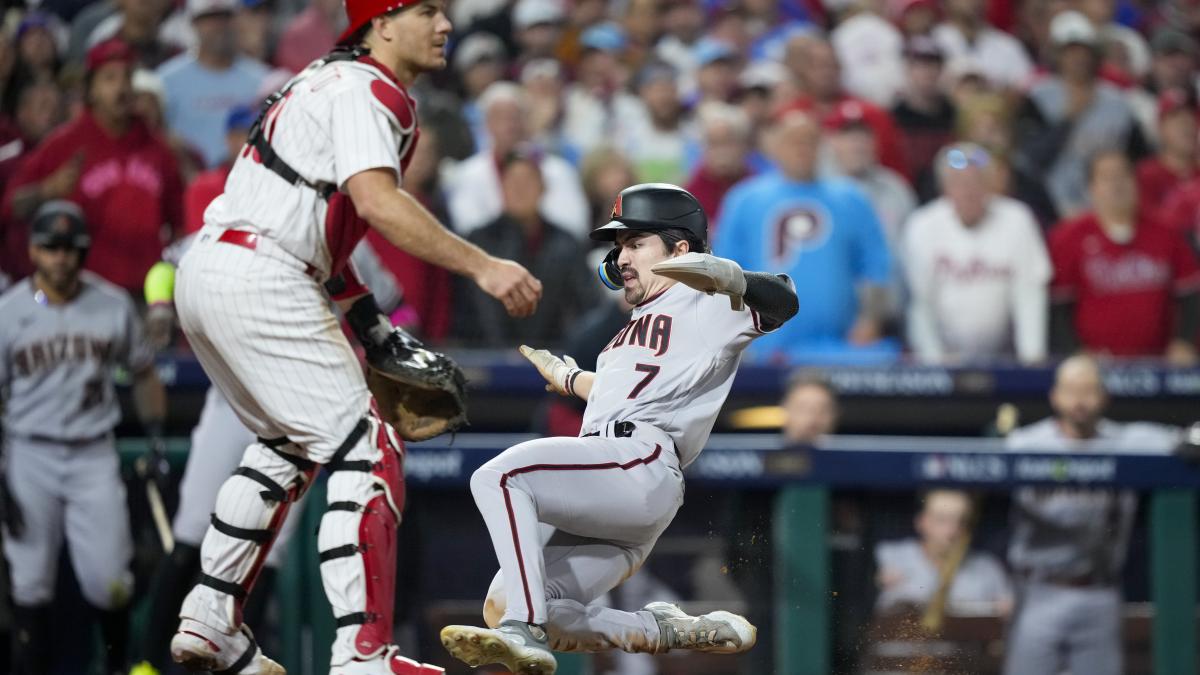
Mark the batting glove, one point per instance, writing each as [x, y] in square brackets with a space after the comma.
[559, 373]
[706, 273]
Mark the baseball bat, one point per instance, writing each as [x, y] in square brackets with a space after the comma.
[158, 511]
[1007, 418]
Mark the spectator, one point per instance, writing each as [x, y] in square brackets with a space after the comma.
[810, 409]
[1068, 546]
[202, 87]
[853, 155]
[965, 32]
[725, 134]
[107, 161]
[1123, 42]
[210, 184]
[252, 29]
[1118, 261]
[814, 65]
[658, 146]
[150, 104]
[716, 71]
[605, 171]
[977, 269]
[137, 23]
[543, 83]
[910, 570]
[870, 49]
[824, 233]
[1174, 62]
[310, 34]
[760, 89]
[916, 17]
[473, 194]
[683, 27]
[1072, 115]
[480, 61]
[39, 110]
[597, 109]
[548, 251]
[1176, 161]
[986, 120]
[37, 54]
[924, 115]
[537, 27]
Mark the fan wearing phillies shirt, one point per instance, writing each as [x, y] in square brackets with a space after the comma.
[123, 176]
[1123, 284]
[1177, 160]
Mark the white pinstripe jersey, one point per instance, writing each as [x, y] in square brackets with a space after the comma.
[337, 119]
[672, 366]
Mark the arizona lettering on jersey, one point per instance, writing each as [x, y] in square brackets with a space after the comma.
[337, 120]
[56, 361]
[672, 366]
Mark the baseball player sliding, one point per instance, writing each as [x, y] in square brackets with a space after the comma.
[324, 163]
[610, 493]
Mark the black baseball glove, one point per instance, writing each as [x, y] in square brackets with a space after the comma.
[420, 392]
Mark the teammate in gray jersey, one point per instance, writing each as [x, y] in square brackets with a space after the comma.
[604, 498]
[64, 331]
[1068, 544]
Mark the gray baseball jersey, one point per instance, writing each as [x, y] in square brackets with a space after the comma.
[672, 366]
[1068, 532]
[56, 361]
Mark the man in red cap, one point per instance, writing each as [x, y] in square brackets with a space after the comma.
[123, 176]
[324, 163]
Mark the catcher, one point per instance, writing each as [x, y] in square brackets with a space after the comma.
[324, 162]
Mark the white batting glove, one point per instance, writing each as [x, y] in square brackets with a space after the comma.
[706, 273]
[560, 373]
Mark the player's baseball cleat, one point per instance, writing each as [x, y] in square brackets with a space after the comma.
[716, 632]
[389, 663]
[521, 648]
[199, 648]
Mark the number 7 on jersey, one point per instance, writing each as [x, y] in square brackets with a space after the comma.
[651, 372]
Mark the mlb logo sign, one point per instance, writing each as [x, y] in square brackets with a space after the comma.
[616, 209]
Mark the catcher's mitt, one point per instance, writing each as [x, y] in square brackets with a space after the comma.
[420, 392]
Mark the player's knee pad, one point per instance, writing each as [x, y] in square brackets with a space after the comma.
[357, 539]
[250, 509]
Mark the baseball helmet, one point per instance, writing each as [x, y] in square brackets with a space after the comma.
[649, 207]
[60, 223]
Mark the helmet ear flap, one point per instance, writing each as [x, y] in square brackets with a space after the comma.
[610, 274]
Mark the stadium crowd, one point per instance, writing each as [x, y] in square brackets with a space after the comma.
[956, 180]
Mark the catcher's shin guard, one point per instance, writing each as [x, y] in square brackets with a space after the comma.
[357, 540]
[250, 509]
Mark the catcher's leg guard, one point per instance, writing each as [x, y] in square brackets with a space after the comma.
[357, 540]
[250, 508]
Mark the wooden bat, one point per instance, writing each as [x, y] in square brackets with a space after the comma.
[1007, 418]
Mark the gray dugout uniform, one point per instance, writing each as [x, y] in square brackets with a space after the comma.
[1067, 551]
[219, 438]
[56, 371]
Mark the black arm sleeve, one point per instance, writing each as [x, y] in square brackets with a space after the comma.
[771, 297]
[1189, 316]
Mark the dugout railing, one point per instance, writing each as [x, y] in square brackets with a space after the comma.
[804, 478]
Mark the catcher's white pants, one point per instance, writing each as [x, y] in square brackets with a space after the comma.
[265, 334]
[268, 339]
[218, 442]
[570, 519]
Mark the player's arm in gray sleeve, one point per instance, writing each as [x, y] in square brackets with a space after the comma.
[149, 394]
